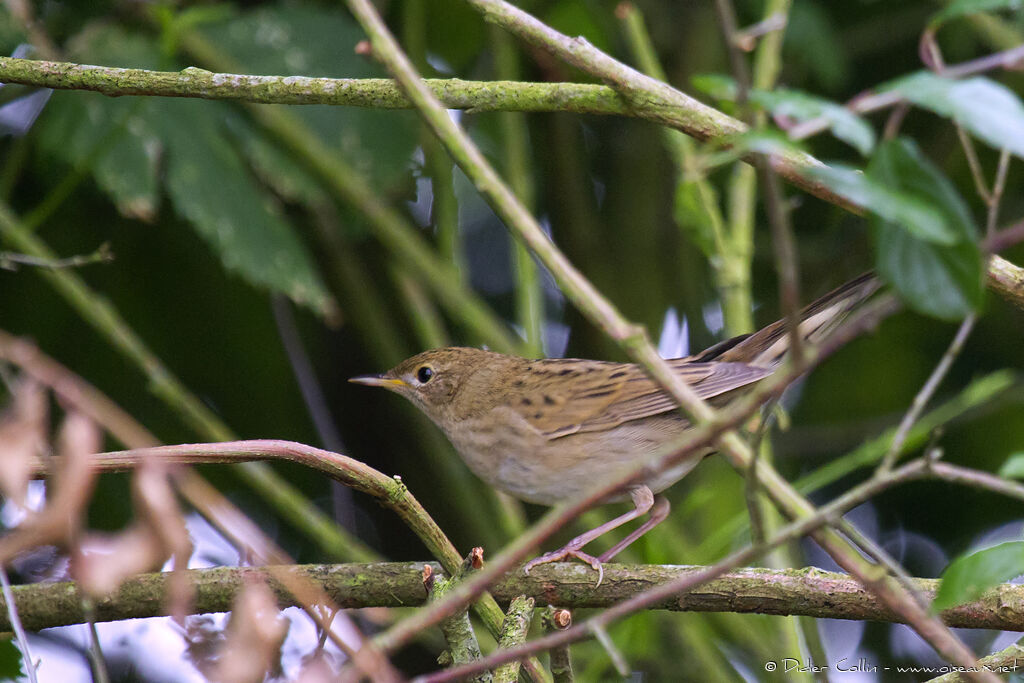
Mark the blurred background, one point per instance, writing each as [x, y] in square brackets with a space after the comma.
[263, 281]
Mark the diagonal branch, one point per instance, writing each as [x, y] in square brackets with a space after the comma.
[600, 311]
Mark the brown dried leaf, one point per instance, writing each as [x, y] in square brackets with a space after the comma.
[22, 438]
[317, 669]
[102, 561]
[254, 636]
[157, 508]
[73, 481]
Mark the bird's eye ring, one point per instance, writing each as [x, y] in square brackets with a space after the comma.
[425, 374]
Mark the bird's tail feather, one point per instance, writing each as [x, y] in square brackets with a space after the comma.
[768, 346]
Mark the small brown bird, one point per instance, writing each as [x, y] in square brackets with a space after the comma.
[548, 430]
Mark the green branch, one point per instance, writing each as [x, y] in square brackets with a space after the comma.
[375, 93]
[658, 102]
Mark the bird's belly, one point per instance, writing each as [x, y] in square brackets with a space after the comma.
[538, 470]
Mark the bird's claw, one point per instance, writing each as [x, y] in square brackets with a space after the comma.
[566, 552]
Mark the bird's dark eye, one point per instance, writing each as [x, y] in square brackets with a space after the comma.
[425, 374]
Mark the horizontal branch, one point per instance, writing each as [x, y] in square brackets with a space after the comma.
[378, 93]
[810, 592]
[1007, 279]
[688, 116]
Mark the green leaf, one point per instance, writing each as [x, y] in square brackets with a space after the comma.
[796, 105]
[715, 85]
[304, 41]
[1013, 468]
[114, 140]
[968, 576]
[899, 164]
[943, 282]
[800, 106]
[125, 142]
[938, 278]
[987, 109]
[767, 142]
[886, 201]
[960, 8]
[210, 185]
[11, 668]
[291, 180]
[762, 142]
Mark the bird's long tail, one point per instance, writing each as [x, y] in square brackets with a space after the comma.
[768, 346]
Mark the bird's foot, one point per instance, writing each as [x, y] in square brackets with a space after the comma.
[564, 553]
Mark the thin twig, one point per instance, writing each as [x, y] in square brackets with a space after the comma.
[602, 637]
[737, 60]
[998, 187]
[99, 664]
[11, 261]
[927, 391]
[105, 318]
[973, 163]
[746, 38]
[15, 622]
[976, 479]
[992, 199]
[1007, 59]
[316, 404]
[76, 392]
[751, 491]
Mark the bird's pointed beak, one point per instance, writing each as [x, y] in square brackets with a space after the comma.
[378, 381]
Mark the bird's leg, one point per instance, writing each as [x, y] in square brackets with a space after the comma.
[658, 513]
[643, 502]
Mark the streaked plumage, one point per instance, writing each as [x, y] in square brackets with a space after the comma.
[546, 430]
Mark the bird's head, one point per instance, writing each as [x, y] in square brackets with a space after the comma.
[433, 380]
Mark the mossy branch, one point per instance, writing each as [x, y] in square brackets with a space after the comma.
[809, 591]
[375, 93]
[679, 112]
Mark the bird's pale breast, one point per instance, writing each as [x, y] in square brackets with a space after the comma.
[503, 450]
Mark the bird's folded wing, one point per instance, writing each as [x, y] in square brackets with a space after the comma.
[601, 396]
